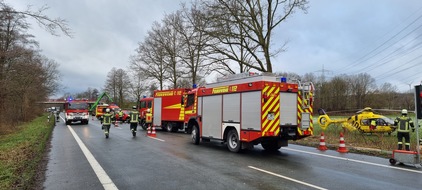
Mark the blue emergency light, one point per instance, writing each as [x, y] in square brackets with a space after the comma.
[283, 79]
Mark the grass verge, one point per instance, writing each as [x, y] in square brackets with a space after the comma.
[22, 151]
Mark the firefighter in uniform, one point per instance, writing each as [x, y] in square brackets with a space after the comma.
[121, 116]
[134, 118]
[106, 121]
[403, 124]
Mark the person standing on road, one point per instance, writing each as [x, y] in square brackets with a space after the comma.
[106, 121]
[403, 124]
[134, 118]
[121, 116]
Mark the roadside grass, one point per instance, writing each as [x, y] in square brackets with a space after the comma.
[374, 144]
[22, 151]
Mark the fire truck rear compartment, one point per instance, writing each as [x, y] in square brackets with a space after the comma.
[242, 112]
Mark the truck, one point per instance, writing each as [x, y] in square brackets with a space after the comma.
[100, 109]
[167, 110]
[97, 109]
[76, 110]
[248, 109]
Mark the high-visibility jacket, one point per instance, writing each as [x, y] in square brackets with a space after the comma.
[134, 117]
[121, 114]
[107, 119]
[403, 124]
[373, 122]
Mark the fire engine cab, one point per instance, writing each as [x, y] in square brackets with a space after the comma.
[76, 110]
[247, 109]
[145, 105]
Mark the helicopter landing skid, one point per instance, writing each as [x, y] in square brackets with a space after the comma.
[404, 156]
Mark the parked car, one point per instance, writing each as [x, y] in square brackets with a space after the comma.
[125, 118]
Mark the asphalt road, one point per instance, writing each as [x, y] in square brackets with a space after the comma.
[171, 161]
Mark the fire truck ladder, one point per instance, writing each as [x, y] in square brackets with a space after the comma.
[98, 100]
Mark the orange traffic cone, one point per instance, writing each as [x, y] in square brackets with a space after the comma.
[153, 134]
[149, 131]
[342, 148]
[322, 146]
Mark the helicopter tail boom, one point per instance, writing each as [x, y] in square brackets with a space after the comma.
[324, 120]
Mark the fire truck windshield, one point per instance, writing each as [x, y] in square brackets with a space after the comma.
[77, 106]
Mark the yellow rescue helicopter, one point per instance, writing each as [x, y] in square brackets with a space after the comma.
[363, 122]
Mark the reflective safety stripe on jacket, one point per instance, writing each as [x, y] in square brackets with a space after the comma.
[120, 114]
[134, 117]
[403, 124]
[107, 119]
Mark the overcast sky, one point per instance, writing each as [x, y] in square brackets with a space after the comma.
[379, 37]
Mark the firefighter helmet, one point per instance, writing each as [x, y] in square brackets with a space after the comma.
[404, 111]
[134, 107]
[108, 110]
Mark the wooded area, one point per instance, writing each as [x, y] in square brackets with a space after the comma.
[26, 76]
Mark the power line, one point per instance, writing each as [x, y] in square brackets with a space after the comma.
[357, 61]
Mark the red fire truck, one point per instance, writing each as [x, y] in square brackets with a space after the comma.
[76, 110]
[167, 111]
[247, 109]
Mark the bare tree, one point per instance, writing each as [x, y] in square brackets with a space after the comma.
[246, 27]
[149, 59]
[361, 85]
[170, 40]
[195, 50]
[51, 25]
[117, 85]
[137, 85]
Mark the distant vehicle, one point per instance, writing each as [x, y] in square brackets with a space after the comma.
[100, 110]
[125, 118]
[76, 110]
[145, 105]
[361, 122]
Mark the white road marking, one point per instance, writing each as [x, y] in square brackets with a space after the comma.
[357, 161]
[155, 138]
[288, 178]
[99, 171]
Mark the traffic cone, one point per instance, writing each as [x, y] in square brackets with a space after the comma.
[322, 146]
[149, 131]
[153, 134]
[342, 148]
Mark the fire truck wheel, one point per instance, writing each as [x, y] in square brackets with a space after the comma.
[143, 125]
[233, 143]
[195, 135]
[392, 161]
[169, 127]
